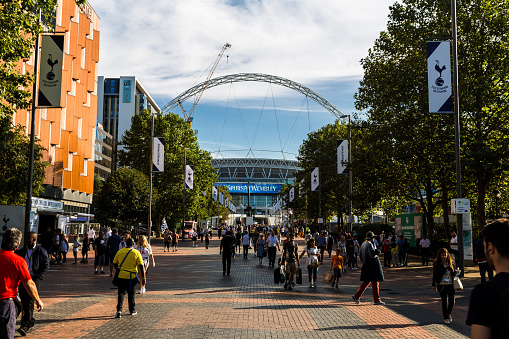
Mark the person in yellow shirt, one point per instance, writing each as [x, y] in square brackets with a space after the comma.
[337, 265]
[128, 260]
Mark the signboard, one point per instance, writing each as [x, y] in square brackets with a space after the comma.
[189, 177]
[12, 217]
[126, 91]
[468, 252]
[460, 206]
[214, 193]
[253, 188]
[439, 77]
[315, 179]
[342, 156]
[410, 227]
[158, 155]
[249, 221]
[50, 70]
[47, 204]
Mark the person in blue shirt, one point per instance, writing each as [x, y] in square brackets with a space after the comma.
[321, 242]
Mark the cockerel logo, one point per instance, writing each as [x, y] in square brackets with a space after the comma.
[50, 76]
[439, 81]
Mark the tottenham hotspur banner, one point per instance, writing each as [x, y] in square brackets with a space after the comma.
[439, 77]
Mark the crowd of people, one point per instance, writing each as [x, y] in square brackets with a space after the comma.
[24, 268]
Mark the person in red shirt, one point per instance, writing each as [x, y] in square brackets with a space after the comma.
[14, 270]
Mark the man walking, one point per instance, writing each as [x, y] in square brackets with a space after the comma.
[371, 272]
[91, 237]
[14, 270]
[245, 244]
[290, 256]
[131, 267]
[226, 250]
[37, 261]
[113, 245]
[321, 242]
[425, 244]
[272, 243]
[487, 311]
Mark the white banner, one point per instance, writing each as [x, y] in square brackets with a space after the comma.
[226, 203]
[301, 188]
[189, 177]
[158, 155]
[292, 194]
[164, 225]
[214, 193]
[315, 179]
[342, 149]
[468, 253]
[50, 70]
[221, 198]
[439, 77]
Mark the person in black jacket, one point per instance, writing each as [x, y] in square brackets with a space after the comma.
[37, 260]
[443, 275]
[226, 250]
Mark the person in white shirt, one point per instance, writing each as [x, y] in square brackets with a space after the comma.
[75, 248]
[245, 244]
[425, 244]
[91, 236]
[453, 244]
[107, 234]
[146, 253]
[272, 243]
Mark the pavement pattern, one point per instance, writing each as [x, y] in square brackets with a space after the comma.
[188, 297]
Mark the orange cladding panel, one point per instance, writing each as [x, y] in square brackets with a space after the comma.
[67, 180]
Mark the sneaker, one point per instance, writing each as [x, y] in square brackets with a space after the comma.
[450, 319]
[447, 321]
[290, 288]
[96, 272]
[134, 313]
[379, 303]
[22, 331]
[355, 268]
[337, 286]
[357, 301]
[102, 272]
[310, 285]
[118, 315]
[285, 286]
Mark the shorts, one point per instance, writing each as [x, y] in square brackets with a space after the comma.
[99, 260]
[337, 272]
[291, 267]
[112, 256]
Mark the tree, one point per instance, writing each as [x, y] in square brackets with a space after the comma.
[123, 199]
[20, 26]
[178, 136]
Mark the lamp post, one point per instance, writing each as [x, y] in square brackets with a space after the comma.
[151, 170]
[319, 191]
[349, 217]
[184, 195]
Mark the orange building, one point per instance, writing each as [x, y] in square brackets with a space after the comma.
[68, 133]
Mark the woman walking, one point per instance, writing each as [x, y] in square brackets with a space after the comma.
[260, 247]
[146, 253]
[443, 275]
[312, 262]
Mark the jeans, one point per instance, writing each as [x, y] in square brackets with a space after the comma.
[27, 320]
[227, 262]
[312, 274]
[483, 268]
[425, 256]
[447, 294]
[7, 318]
[322, 250]
[126, 286]
[364, 285]
[246, 250]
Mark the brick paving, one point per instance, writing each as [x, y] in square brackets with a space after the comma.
[188, 297]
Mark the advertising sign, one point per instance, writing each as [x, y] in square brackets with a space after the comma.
[291, 194]
[189, 177]
[50, 70]
[439, 77]
[126, 91]
[158, 155]
[253, 188]
[315, 179]
[460, 206]
[214, 193]
[410, 227]
[342, 156]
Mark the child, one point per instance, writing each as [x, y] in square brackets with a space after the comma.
[75, 247]
[84, 249]
[337, 265]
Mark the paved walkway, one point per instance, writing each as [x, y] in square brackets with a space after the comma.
[188, 297]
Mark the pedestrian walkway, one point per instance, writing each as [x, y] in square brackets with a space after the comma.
[188, 297]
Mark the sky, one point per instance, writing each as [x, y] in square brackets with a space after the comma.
[170, 47]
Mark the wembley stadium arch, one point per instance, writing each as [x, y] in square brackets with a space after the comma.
[253, 181]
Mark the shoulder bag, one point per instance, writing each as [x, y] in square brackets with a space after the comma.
[117, 271]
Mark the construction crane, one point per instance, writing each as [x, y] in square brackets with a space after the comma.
[188, 115]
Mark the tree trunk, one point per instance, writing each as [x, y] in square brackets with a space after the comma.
[429, 209]
[445, 207]
[481, 201]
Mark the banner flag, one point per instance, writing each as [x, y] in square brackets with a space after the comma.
[189, 177]
[226, 203]
[292, 194]
[164, 225]
[214, 193]
[50, 71]
[315, 179]
[439, 89]
[301, 188]
[342, 150]
[221, 198]
[158, 155]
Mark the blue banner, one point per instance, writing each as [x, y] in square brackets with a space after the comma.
[253, 188]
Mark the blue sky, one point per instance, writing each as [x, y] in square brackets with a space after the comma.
[170, 45]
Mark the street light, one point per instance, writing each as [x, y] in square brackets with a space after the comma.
[151, 170]
[349, 217]
[319, 191]
[184, 195]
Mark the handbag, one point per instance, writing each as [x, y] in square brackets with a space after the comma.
[458, 285]
[264, 253]
[117, 271]
[327, 277]
[298, 278]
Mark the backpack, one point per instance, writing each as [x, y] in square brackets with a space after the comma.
[502, 292]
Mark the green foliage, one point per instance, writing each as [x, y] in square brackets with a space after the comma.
[123, 199]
